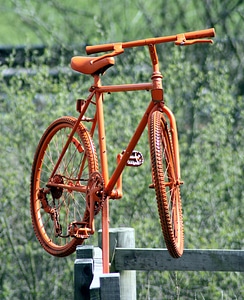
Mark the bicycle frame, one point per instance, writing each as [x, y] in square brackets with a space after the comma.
[156, 103]
[110, 182]
[156, 89]
[78, 171]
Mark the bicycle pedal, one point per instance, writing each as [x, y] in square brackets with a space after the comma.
[82, 234]
[135, 160]
[79, 230]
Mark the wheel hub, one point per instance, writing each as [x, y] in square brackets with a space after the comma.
[57, 191]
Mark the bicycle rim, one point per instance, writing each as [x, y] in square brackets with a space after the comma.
[78, 163]
[166, 189]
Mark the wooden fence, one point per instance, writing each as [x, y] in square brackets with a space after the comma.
[90, 283]
[18, 60]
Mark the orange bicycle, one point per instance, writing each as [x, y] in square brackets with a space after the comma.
[70, 185]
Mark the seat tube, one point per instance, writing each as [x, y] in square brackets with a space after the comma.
[102, 137]
[104, 168]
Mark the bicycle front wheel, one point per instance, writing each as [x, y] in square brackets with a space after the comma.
[55, 210]
[167, 188]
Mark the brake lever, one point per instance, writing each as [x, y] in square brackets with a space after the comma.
[117, 51]
[182, 41]
[191, 42]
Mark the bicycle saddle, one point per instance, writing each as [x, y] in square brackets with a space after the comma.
[90, 65]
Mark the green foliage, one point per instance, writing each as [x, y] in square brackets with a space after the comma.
[203, 89]
[25, 113]
[212, 169]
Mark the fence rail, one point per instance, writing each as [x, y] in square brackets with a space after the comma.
[192, 260]
[126, 260]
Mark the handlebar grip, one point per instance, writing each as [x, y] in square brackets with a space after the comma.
[99, 48]
[200, 34]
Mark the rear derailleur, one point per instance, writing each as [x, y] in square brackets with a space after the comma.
[52, 211]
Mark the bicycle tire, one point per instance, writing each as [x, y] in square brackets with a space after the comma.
[164, 181]
[78, 163]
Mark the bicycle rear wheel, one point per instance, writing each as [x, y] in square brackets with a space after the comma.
[56, 210]
[165, 183]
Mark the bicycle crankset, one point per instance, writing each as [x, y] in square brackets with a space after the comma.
[95, 192]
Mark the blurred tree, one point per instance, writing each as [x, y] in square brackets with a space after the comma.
[203, 87]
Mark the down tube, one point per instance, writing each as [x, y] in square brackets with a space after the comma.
[135, 138]
[174, 134]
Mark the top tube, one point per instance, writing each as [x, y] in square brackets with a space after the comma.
[187, 38]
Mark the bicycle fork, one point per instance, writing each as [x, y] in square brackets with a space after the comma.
[174, 134]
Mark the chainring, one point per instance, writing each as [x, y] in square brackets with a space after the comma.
[95, 188]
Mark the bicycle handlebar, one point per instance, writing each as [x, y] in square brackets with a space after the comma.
[187, 38]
